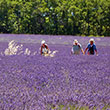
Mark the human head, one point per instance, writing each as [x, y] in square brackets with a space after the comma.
[43, 42]
[91, 41]
[75, 42]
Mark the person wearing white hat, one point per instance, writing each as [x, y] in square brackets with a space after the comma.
[91, 47]
[76, 48]
[44, 48]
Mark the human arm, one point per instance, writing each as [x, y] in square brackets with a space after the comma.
[47, 48]
[85, 50]
[82, 51]
[96, 50]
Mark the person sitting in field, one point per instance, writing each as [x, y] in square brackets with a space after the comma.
[76, 48]
[44, 48]
[91, 47]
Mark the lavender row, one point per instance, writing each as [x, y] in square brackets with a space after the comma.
[38, 83]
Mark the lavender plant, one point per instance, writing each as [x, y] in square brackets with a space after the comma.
[35, 82]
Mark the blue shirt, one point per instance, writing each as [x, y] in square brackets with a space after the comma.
[91, 48]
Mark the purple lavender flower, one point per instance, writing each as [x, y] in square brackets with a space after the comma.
[36, 82]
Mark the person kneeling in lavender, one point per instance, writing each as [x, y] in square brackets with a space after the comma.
[76, 48]
[91, 47]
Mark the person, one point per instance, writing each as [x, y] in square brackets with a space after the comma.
[44, 48]
[91, 47]
[76, 48]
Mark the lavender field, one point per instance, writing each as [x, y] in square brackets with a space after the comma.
[29, 81]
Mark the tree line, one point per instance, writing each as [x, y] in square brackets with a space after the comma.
[57, 17]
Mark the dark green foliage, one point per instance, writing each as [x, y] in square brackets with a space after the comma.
[72, 17]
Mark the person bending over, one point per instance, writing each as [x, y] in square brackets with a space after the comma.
[44, 48]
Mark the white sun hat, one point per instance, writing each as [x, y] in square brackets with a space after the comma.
[75, 41]
[43, 42]
[91, 40]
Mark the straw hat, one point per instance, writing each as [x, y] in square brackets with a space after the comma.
[43, 42]
[91, 40]
[75, 41]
